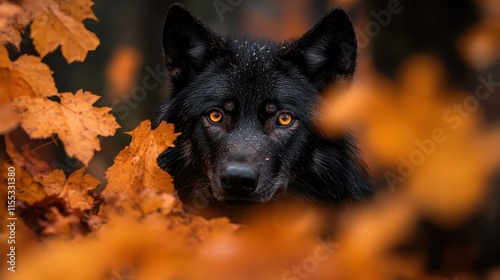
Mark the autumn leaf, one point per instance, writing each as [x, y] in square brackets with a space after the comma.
[53, 28]
[135, 168]
[27, 76]
[75, 189]
[54, 23]
[76, 122]
[78, 9]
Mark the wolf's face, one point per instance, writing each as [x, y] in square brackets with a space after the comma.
[246, 108]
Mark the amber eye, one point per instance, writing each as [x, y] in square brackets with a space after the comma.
[215, 116]
[285, 119]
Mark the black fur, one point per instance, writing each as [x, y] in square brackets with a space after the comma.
[251, 82]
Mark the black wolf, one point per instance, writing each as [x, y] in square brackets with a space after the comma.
[247, 113]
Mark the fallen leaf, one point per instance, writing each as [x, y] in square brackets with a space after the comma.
[27, 76]
[54, 23]
[55, 26]
[78, 9]
[78, 123]
[75, 189]
[135, 167]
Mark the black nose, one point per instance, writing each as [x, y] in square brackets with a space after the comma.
[239, 179]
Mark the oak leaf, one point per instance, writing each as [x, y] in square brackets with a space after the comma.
[74, 189]
[135, 167]
[74, 120]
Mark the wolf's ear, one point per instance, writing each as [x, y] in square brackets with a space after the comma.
[327, 52]
[187, 44]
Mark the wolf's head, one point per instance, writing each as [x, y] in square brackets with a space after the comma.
[246, 111]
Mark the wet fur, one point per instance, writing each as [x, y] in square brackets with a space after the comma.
[253, 80]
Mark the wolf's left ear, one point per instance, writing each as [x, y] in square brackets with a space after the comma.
[187, 43]
[327, 52]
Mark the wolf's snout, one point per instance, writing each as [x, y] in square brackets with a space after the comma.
[239, 179]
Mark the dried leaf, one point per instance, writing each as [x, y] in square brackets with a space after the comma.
[27, 76]
[78, 9]
[135, 167]
[53, 28]
[75, 189]
[54, 23]
[78, 126]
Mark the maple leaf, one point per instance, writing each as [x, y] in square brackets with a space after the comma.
[27, 76]
[77, 123]
[135, 167]
[75, 189]
[78, 9]
[56, 25]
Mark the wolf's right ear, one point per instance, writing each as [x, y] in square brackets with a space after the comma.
[187, 44]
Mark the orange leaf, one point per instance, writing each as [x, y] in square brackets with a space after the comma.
[135, 168]
[61, 25]
[27, 76]
[78, 122]
[54, 23]
[75, 189]
[78, 9]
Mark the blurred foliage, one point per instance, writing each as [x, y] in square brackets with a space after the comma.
[424, 105]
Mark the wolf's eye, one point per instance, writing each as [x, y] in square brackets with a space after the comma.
[215, 116]
[285, 119]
